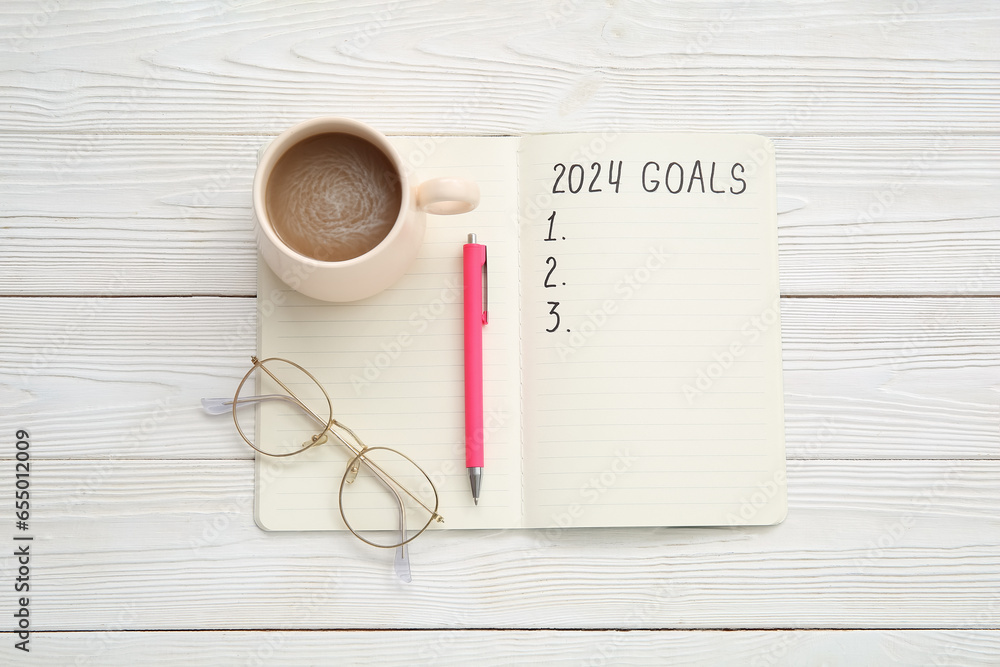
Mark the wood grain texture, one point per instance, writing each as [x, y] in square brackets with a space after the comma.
[519, 647]
[224, 66]
[859, 215]
[172, 544]
[129, 130]
[863, 378]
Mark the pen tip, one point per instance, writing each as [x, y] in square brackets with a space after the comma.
[476, 480]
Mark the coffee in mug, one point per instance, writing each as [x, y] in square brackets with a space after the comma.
[333, 197]
[337, 215]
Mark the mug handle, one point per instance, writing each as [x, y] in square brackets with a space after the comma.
[447, 196]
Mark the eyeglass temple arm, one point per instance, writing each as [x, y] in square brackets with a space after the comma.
[381, 474]
[221, 406]
[218, 406]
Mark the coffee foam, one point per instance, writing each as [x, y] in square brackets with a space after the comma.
[333, 197]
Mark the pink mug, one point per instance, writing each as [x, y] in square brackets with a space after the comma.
[381, 266]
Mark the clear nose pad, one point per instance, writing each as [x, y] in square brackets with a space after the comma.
[353, 467]
[315, 440]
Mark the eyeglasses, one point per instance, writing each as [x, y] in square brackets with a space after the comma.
[385, 498]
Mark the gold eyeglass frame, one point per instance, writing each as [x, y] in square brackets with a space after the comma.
[359, 449]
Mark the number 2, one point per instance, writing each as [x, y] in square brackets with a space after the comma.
[549, 274]
[561, 168]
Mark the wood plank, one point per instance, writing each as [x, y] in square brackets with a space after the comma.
[915, 215]
[506, 647]
[863, 378]
[817, 67]
[123, 378]
[172, 545]
[895, 378]
[889, 216]
[178, 221]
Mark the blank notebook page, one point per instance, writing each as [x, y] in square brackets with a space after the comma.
[652, 388]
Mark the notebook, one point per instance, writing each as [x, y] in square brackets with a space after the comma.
[632, 359]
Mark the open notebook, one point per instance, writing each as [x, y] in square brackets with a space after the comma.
[632, 360]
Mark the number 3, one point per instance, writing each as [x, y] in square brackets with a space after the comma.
[552, 311]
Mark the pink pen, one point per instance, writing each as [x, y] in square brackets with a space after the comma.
[475, 304]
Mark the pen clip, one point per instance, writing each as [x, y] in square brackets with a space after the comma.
[486, 291]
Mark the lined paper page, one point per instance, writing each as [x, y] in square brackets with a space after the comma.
[656, 397]
[392, 364]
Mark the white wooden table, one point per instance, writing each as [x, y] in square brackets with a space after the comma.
[128, 132]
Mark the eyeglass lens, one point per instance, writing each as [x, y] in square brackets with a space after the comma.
[384, 497]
